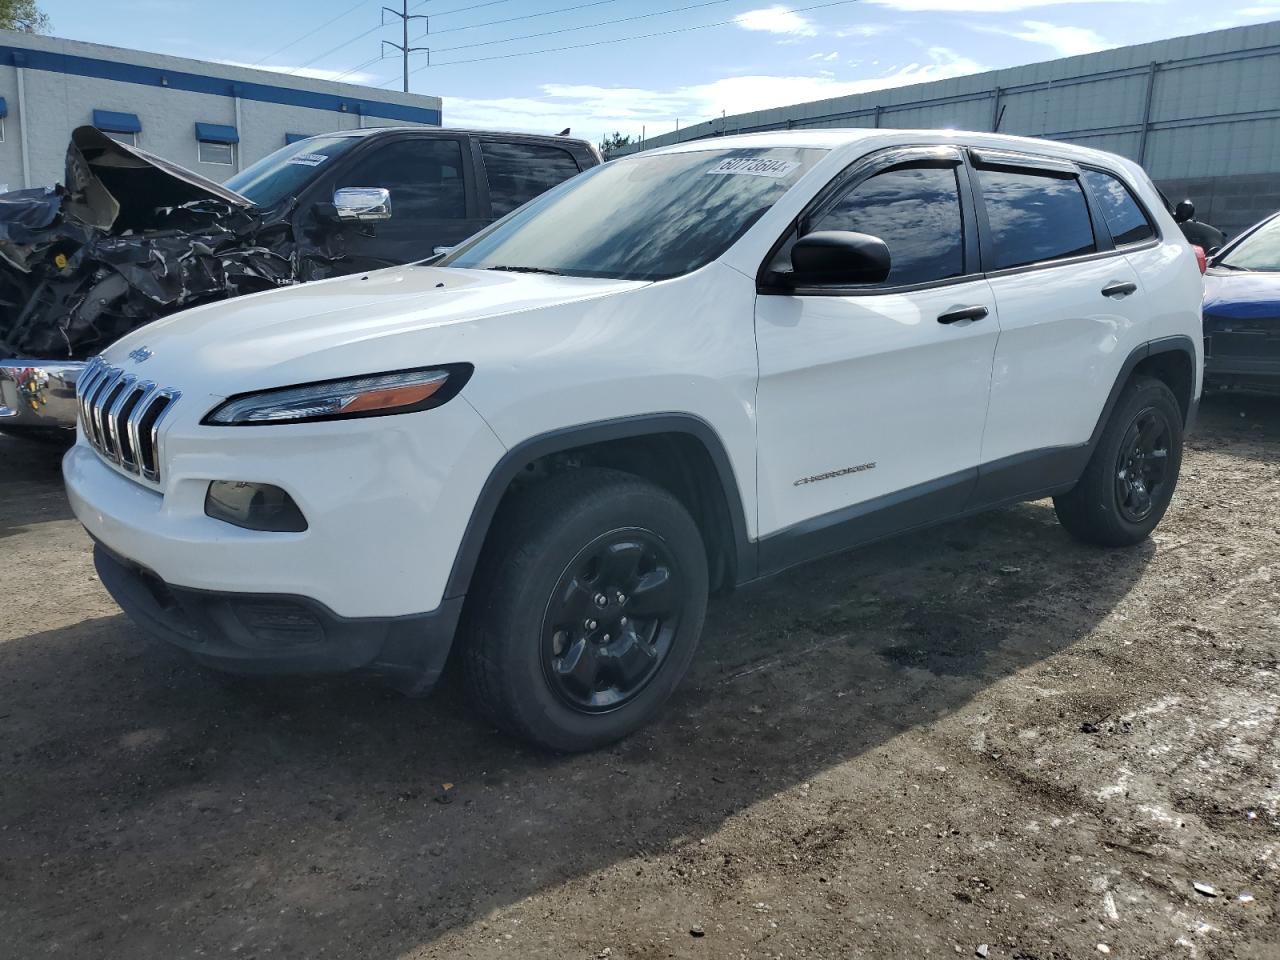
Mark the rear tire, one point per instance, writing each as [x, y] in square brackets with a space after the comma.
[1129, 481]
[588, 606]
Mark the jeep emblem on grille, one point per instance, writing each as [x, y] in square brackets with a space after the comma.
[142, 353]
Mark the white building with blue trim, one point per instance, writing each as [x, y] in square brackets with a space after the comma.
[210, 117]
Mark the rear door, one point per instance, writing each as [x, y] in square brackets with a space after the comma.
[873, 396]
[516, 171]
[1070, 304]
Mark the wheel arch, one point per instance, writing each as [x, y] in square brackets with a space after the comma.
[1171, 360]
[706, 475]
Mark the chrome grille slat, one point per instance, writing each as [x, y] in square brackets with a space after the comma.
[121, 417]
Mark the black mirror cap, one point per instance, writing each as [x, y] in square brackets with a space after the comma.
[1184, 211]
[839, 257]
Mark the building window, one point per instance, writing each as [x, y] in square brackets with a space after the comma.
[1, 129]
[223, 153]
[216, 143]
[130, 138]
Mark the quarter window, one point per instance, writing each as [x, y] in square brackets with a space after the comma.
[423, 175]
[1035, 217]
[518, 172]
[1125, 219]
[916, 212]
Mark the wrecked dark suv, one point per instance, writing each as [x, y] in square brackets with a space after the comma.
[129, 237]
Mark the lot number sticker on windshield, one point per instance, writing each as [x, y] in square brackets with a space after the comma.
[309, 159]
[754, 167]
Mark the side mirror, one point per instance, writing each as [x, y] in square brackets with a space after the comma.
[1184, 211]
[839, 257]
[362, 203]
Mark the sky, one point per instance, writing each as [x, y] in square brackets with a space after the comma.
[636, 66]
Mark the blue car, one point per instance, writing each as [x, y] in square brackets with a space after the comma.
[1242, 312]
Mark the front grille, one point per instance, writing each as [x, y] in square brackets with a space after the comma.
[120, 416]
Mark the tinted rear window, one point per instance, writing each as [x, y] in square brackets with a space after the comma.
[1035, 217]
[1125, 219]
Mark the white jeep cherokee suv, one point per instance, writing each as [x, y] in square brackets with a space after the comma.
[674, 373]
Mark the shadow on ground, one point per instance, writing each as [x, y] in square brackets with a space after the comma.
[148, 806]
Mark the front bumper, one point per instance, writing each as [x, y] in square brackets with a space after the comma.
[38, 394]
[256, 633]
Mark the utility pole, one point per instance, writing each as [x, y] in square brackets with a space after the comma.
[404, 47]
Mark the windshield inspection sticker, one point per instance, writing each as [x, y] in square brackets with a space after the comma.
[309, 159]
[754, 167]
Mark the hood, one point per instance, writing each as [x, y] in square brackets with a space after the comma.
[366, 323]
[119, 187]
[1241, 295]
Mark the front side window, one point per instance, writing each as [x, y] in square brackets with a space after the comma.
[284, 172]
[219, 153]
[647, 217]
[424, 177]
[518, 172]
[1259, 250]
[1035, 217]
[1125, 219]
[916, 212]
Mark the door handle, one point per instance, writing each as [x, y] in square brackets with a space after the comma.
[962, 313]
[1119, 290]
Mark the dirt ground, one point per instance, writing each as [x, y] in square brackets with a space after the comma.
[984, 737]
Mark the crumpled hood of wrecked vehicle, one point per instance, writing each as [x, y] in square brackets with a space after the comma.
[388, 319]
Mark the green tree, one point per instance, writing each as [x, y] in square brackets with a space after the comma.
[23, 16]
[609, 145]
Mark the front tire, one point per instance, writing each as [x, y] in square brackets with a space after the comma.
[1129, 481]
[588, 609]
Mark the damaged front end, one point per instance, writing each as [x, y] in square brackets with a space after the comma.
[127, 239]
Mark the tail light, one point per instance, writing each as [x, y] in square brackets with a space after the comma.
[1201, 261]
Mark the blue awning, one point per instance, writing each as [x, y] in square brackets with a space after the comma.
[4, 108]
[295, 137]
[216, 133]
[109, 121]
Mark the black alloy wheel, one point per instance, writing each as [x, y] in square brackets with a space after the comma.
[1142, 465]
[610, 620]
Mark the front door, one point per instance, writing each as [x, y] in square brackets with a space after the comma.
[432, 203]
[872, 399]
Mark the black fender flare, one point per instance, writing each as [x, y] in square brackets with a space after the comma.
[1179, 343]
[569, 438]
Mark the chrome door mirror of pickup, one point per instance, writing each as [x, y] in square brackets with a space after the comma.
[362, 203]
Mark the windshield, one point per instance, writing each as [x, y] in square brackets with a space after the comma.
[1260, 250]
[284, 173]
[645, 218]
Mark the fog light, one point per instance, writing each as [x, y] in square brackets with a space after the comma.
[254, 506]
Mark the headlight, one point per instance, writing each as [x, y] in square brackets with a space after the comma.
[377, 395]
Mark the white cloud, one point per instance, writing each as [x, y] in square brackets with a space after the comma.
[824, 57]
[592, 110]
[1065, 41]
[776, 19]
[312, 73]
[1261, 10]
[862, 30]
[983, 6]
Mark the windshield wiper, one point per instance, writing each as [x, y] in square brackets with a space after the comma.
[1232, 266]
[509, 269]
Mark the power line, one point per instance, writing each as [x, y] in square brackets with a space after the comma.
[358, 36]
[310, 33]
[585, 26]
[526, 16]
[601, 43]
[361, 36]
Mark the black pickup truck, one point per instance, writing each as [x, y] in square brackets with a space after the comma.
[130, 237]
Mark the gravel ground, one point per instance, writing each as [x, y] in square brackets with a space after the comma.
[984, 739]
